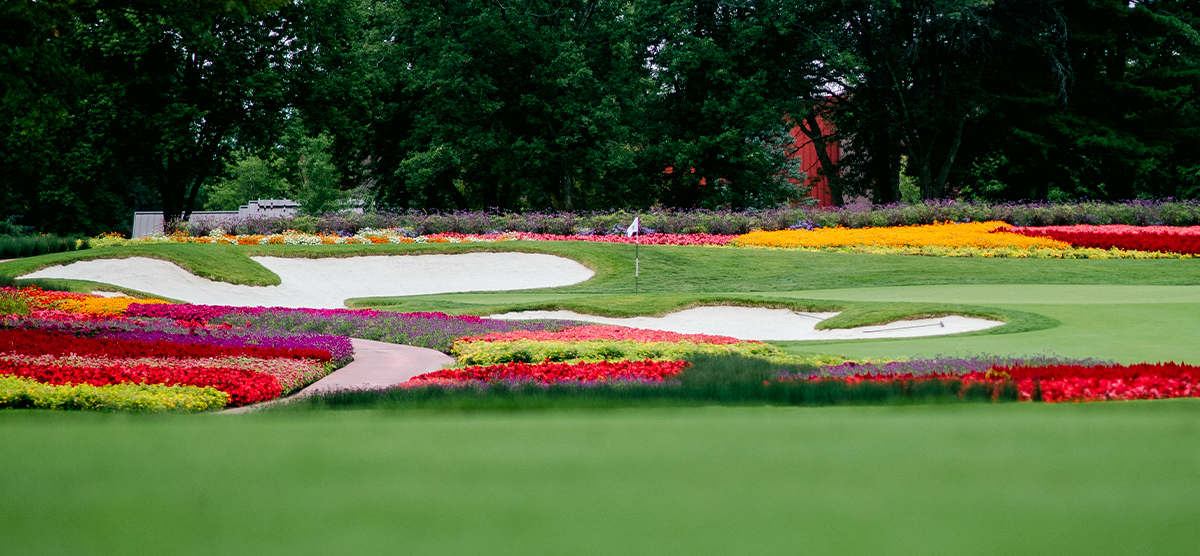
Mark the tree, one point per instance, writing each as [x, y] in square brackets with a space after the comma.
[731, 78]
[163, 92]
[508, 105]
[923, 65]
[1106, 110]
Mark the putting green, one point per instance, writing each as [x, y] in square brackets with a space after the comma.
[1128, 324]
[1111, 478]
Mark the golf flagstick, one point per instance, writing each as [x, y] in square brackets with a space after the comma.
[635, 231]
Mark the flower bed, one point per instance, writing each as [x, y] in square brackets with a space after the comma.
[432, 330]
[42, 342]
[80, 303]
[532, 351]
[21, 393]
[977, 235]
[604, 332]
[242, 386]
[1162, 239]
[644, 239]
[1146, 381]
[291, 373]
[1051, 381]
[674, 221]
[71, 346]
[552, 373]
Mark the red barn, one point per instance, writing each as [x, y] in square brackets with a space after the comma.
[802, 147]
[810, 165]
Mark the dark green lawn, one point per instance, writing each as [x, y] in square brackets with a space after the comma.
[1102, 478]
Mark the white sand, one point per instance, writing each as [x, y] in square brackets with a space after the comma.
[328, 282]
[753, 323]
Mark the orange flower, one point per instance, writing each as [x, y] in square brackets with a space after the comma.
[945, 234]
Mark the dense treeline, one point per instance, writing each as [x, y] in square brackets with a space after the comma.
[111, 106]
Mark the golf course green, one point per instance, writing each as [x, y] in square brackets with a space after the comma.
[1005, 478]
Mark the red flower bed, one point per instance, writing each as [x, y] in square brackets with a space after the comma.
[1066, 383]
[1165, 239]
[604, 332]
[1070, 383]
[651, 239]
[549, 373]
[38, 342]
[243, 386]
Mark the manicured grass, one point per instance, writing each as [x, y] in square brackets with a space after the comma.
[628, 305]
[1128, 324]
[224, 263]
[678, 269]
[1102, 478]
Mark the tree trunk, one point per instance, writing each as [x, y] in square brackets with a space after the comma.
[944, 173]
[568, 183]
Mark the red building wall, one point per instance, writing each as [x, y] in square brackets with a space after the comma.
[810, 165]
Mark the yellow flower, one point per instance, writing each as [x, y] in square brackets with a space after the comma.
[947, 234]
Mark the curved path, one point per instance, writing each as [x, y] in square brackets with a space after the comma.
[376, 365]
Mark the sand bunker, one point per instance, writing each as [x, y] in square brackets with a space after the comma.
[753, 323]
[327, 283]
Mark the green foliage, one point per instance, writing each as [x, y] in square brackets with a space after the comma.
[156, 96]
[317, 179]
[301, 168]
[250, 177]
[726, 379]
[21, 393]
[1101, 105]
[12, 304]
[12, 247]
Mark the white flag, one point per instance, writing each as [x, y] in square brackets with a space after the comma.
[633, 228]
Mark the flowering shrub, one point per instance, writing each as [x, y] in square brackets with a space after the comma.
[417, 222]
[604, 332]
[549, 373]
[17, 392]
[1163, 239]
[947, 234]
[243, 386]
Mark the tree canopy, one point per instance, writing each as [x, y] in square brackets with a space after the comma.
[111, 106]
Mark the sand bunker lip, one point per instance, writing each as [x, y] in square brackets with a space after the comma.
[756, 323]
[326, 283]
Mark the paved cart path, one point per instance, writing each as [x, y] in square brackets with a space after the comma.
[376, 365]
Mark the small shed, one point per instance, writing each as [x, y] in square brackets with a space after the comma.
[149, 223]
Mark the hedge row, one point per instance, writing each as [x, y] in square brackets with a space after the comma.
[1137, 213]
[14, 247]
